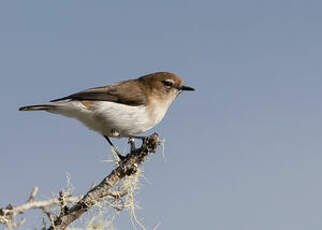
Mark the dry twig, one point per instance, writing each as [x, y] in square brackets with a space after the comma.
[127, 167]
[8, 214]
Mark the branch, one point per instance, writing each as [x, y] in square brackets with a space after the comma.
[127, 167]
[8, 214]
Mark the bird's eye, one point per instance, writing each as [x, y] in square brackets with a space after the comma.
[168, 83]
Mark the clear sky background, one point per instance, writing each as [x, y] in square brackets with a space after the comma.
[244, 151]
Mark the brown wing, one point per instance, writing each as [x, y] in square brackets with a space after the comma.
[127, 92]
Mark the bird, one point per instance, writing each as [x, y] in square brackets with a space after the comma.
[124, 109]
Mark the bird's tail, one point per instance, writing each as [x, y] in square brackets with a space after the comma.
[44, 107]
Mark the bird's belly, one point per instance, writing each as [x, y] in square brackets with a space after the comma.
[111, 119]
[119, 120]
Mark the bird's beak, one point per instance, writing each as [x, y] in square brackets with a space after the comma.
[187, 88]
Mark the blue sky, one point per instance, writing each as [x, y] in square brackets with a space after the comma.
[243, 150]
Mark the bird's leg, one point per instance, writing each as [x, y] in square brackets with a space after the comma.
[114, 148]
[132, 144]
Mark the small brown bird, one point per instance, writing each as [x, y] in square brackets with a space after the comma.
[124, 109]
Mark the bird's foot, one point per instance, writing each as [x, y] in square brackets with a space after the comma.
[120, 156]
[132, 144]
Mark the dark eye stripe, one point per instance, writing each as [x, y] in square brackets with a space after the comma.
[167, 83]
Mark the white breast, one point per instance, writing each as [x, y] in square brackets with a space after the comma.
[121, 120]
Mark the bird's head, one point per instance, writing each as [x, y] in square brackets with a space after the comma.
[164, 85]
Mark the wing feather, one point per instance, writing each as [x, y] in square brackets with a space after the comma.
[127, 92]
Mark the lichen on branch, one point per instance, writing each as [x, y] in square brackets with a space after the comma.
[126, 167]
